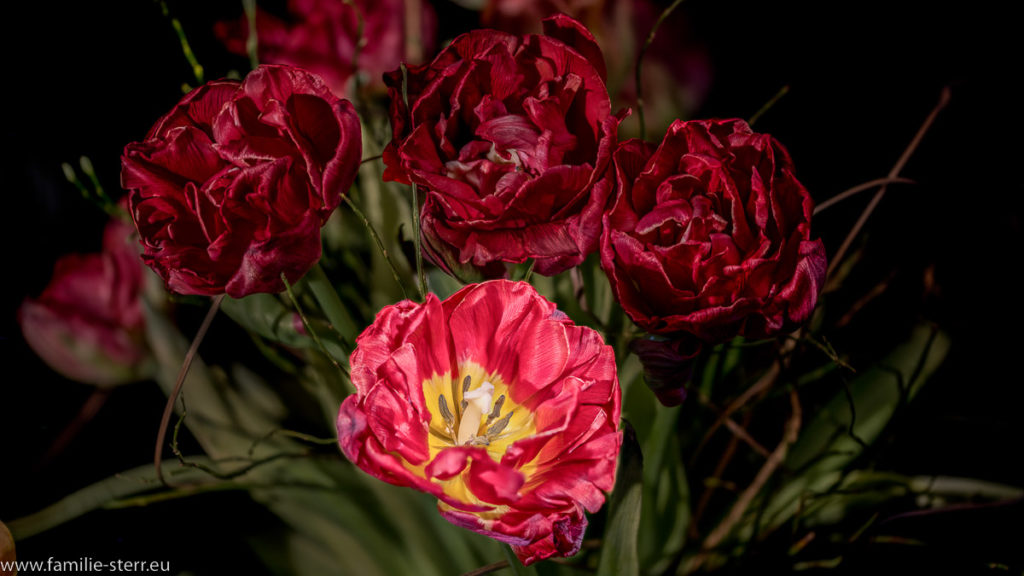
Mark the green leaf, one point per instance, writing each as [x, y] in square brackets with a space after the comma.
[128, 483]
[268, 317]
[666, 495]
[441, 283]
[619, 555]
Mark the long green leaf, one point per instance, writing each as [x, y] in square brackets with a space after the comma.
[666, 495]
[94, 497]
[619, 556]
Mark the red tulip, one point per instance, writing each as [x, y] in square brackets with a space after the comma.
[494, 402]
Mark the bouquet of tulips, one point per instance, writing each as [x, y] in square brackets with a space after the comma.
[488, 299]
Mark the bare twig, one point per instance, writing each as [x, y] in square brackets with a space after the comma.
[723, 463]
[763, 383]
[858, 189]
[739, 431]
[176, 391]
[739, 508]
[896, 169]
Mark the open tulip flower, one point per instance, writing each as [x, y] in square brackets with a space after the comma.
[496, 403]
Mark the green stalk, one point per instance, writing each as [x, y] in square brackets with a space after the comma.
[336, 313]
[377, 241]
[417, 241]
[186, 48]
[638, 69]
[313, 334]
[252, 40]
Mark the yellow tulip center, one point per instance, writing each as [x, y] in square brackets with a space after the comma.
[473, 408]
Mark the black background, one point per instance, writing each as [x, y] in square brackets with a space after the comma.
[85, 78]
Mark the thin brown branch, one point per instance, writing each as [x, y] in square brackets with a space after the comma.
[739, 431]
[766, 381]
[866, 299]
[161, 435]
[739, 508]
[858, 189]
[723, 463]
[896, 169]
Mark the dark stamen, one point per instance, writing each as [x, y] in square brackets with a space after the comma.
[442, 405]
[497, 409]
[499, 425]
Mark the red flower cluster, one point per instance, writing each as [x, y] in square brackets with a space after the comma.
[709, 234]
[494, 402]
[230, 189]
[88, 322]
[509, 136]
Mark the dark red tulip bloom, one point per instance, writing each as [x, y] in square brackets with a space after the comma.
[710, 234]
[230, 189]
[494, 402]
[510, 138]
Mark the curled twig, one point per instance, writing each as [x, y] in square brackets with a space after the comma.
[161, 435]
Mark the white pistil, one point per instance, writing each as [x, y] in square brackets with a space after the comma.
[478, 405]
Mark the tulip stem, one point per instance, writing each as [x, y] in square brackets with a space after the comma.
[176, 391]
[515, 566]
[252, 39]
[529, 271]
[360, 41]
[92, 405]
[638, 69]
[378, 242]
[334, 306]
[417, 240]
[336, 312]
[420, 275]
[768, 105]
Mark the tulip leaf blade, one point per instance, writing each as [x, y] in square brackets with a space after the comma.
[619, 554]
